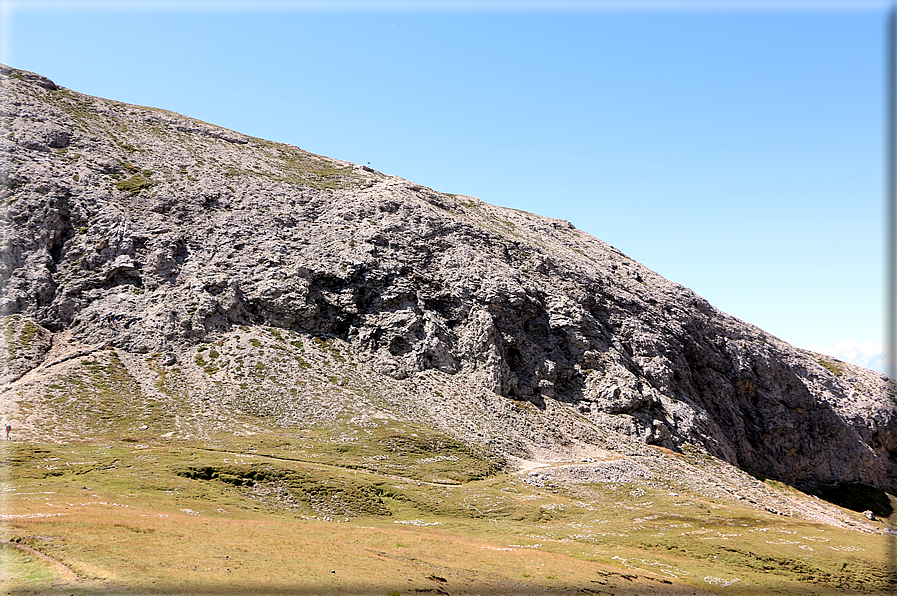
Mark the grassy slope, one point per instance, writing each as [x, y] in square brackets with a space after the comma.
[354, 506]
[130, 516]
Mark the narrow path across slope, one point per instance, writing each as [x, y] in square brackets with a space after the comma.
[61, 567]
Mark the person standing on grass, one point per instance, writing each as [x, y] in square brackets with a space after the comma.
[8, 428]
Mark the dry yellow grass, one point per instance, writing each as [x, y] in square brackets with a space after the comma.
[125, 519]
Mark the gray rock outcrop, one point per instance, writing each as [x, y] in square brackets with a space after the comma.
[149, 231]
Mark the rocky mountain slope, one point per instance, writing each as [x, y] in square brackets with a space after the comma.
[210, 277]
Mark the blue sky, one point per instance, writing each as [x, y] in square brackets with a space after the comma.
[736, 148]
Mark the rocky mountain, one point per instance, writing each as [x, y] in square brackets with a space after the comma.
[221, 277]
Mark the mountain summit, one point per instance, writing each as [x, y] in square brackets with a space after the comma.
[226, 278]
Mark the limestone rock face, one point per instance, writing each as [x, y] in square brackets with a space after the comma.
[148, 231]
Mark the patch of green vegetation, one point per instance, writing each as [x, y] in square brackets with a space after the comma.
[300, 167]
[17, 337]
[134, 184]
[773, 483]
[322, 493]
[98, 396]
[29, 330]
[126, 146]
[330, 346]
[233, 172]
[831, 367]
[208, 367]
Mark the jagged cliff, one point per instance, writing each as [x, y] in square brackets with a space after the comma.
[156, 235]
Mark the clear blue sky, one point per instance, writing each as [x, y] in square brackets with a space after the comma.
[736, 150]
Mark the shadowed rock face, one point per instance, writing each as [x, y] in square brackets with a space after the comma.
[150, 231]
